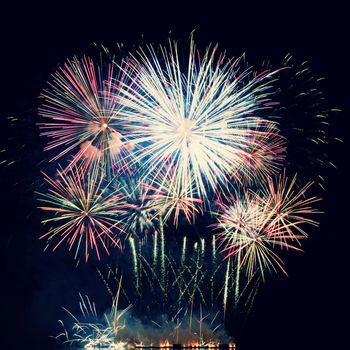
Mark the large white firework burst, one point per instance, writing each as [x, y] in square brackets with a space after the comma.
[201, 117]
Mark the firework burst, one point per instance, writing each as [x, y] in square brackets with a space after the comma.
[254, 224]
[152, 142]
[83, 211]
[201, 120]
[288, 205]
[141, 217]
[82, 113]
[263, 158]
[169, 200]
[305, 120]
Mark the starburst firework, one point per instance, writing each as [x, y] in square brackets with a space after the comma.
[263, 158]
[84, 211]
[254, 224]
[82, 112]
[201, 120]
[141, 218]
[169, 200]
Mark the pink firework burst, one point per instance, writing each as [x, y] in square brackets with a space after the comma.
[82, 110]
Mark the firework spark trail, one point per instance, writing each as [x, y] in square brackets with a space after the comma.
[82, 112]
[115, 307]
[185, 281]
[83, 209]
[117, 281]
[105, 283]
[202, 248]
[162, 252]
[179, 279]
[213, 246]
[198, 275]
[214, 274]
[237, 278]
[145, 273]
[180, 282]
[183, 255]
[252, 295]
[154, 274]
[200, 119]
[155, 248]
[186, 290]
[134, 255]
[140, 270]
[226, 287]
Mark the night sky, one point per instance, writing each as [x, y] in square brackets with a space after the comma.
[307, 310]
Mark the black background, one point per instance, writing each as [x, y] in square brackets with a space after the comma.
[308, 310]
